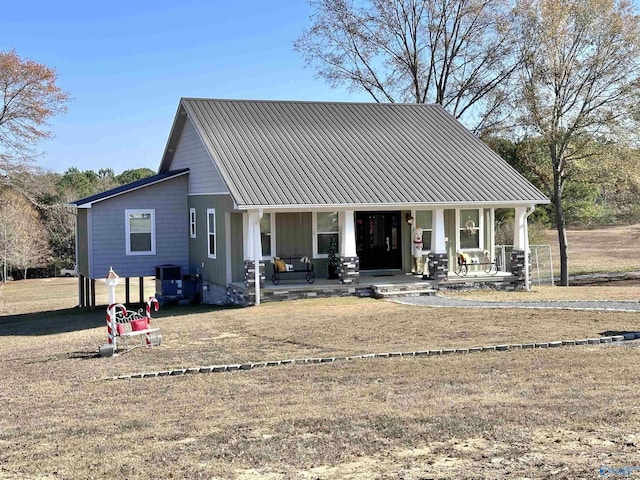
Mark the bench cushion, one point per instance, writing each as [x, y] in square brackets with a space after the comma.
[140, 324]
[280, 265]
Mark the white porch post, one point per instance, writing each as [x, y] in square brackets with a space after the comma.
[520, 229]
[349, 263]
[347, 234]
[521, 244]
[253, 248]
[438, 231]
[492, 234]
[248, 238]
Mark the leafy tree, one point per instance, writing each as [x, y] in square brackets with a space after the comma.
[78, 184]
[129, 176]
[580, 77]
[457, 53]
[29, 98]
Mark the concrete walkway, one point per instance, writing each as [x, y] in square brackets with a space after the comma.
[449, 302]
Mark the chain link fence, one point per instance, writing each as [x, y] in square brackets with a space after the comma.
[541, 271]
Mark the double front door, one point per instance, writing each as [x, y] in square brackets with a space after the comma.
[378, 241]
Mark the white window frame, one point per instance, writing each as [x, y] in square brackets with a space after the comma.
[192, 223]
[314, 222]
[480, 228]
[136, 211]
[212, 211]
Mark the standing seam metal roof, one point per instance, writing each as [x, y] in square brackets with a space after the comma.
[312, 153]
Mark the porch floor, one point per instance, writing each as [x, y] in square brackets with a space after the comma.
[369, 284]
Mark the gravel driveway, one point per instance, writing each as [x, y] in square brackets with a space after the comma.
[439, 301]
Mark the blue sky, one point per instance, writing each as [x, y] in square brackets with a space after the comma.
[126, 63]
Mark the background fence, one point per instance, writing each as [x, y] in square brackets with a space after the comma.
[541, 271]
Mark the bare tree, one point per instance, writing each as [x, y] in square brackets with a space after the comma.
[580, 80]
[29, 97]
[24, 242]
[457, 53]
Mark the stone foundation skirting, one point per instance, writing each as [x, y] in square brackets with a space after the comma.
[349, 270]
[517, 268]
[438, 266]
[249, 274]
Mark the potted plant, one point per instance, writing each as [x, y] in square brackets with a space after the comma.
[334, 262]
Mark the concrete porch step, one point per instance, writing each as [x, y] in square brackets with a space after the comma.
[398, 290]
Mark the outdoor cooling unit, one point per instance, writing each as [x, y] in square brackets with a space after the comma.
[173, 286]
[169, 283]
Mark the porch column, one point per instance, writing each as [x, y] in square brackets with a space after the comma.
[253, 265]
[520, 229]
[438, 258]
[520, 254]
[349, 261]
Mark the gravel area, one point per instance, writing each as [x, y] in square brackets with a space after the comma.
[439, 301]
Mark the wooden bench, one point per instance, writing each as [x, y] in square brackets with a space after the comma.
[136, 329]
[465, 261]
[294, 264]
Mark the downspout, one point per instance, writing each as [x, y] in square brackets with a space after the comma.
[527, 284]
[257, 245]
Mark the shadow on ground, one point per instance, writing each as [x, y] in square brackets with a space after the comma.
[77, 319]
[612, 333]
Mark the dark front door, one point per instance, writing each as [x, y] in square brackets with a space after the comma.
[378, 240]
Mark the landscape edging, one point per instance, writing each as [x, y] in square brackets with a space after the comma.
[503, 347]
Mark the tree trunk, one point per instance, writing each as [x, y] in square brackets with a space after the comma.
[560, 225]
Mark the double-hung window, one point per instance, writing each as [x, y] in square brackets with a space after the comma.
[470, 229]
[424, 222]
[325, 232]
[140, 231]
[192, 222]
[211, 232]
[267, 234]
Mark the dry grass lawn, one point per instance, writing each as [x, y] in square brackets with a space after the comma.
[600, 249]
[555, 413]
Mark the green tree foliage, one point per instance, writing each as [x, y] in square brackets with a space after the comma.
[129, 176]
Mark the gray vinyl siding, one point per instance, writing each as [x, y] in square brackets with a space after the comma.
[204, 177]
[237, 248]
[108, 227]
[213, 270]
[450, 233]
[82, 232]
[294, 237]
[294, 234]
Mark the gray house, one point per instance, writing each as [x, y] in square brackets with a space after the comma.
[395, 187]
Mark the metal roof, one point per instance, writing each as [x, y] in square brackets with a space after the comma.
[98, 197]
[286, 153]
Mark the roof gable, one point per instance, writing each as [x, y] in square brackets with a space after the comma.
[288, 154]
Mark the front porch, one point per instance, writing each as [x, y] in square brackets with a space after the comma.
[363, 243]
[377, 285]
